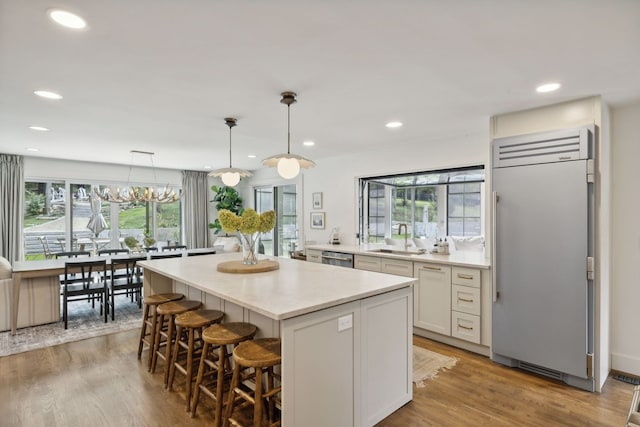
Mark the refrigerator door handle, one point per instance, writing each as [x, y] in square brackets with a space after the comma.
[494, 243]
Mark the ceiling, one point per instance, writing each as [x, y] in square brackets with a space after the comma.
[161, 75]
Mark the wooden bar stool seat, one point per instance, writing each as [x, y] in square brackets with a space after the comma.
[165, 327]
[149, 318]
[188, 345]
[215, 371]
[262, 355]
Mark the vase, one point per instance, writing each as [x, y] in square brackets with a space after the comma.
[249, 248]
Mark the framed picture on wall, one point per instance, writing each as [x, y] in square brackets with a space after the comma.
[317, 200]
[317, 220]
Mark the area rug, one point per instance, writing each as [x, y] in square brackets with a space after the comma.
[427, 364]
[84, 322]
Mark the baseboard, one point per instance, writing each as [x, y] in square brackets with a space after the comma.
[454, 342]
[629, 365]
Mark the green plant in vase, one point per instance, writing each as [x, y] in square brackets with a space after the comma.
[226, 198]
[132, 243]
[249, 225]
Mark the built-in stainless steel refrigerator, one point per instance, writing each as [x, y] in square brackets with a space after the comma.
[543, 246]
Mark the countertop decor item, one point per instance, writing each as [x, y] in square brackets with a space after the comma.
[249, 225]
[230, 176]
[288, 164]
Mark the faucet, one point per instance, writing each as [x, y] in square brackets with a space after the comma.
[406, 232]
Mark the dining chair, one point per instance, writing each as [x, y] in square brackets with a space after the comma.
[45, 247]
[84, 281]
[211, 252]
[71, 254]
[125, 279]
[169, 255]
[113, 251]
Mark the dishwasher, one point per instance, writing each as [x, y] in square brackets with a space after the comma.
[337, 258]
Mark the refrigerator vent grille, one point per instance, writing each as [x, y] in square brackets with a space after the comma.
[540, 370]
[548, 147]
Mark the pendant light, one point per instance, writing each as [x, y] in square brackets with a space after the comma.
[288, 164]
[132, 193]
[230, 176]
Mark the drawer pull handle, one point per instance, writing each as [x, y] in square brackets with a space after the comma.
[431, 268]
[465, 327]
[465, 299]
[465, 276]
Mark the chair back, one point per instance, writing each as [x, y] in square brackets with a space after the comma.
[174, 248]
[72, 254]
[112, 251]
[169, 255]
[210, 252]
[82, 273]
[45, 247]
[6, 272]
[126, 269]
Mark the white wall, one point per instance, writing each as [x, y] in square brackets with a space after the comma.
[625, 289]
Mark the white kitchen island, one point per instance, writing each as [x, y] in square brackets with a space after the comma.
[346, 334]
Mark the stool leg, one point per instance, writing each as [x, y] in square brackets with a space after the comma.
[189, 366]
[234, 383]
[174, 358]
[222, 360]
[152, 336]
[167, 356]
[143, 330]
[271, 404]
[257, 407]
[199, 378]
[159, 319]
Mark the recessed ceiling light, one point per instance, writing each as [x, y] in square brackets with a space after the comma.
[47, 94]
[393, 124]
[548, 87]
[309, 143]
[207, 167]
[40, 128]
[32, 149]
[67, 19]
[251, 156]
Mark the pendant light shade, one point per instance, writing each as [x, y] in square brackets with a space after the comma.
[230, 176]
[288, 165]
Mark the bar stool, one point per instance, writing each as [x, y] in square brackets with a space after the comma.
[214, 362]
[262, 355]
[164, 333]
[184, 350]
[149, 318]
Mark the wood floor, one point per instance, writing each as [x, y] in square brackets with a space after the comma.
[99, 382]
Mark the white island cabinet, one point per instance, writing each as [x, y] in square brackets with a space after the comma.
[346, 334]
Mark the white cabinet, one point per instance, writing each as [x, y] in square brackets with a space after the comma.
[314, 255]
[369, 263]
[465, 304]
[432, 297]
[396, 266]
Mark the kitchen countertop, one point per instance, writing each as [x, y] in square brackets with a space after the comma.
[296, 288]
[457, 258]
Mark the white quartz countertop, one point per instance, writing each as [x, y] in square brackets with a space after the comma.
[297, 288]
[458, 258]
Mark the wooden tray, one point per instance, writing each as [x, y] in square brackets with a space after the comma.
[237, 267]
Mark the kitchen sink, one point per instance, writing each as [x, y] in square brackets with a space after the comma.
[397, 251]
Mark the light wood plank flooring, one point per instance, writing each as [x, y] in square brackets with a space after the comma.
[99, 382]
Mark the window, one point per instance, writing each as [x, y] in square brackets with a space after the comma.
[283, 200]
[47, 230]
[433, 204]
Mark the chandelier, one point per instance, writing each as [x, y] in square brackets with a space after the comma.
[230, 176]
[132, 193]
[288, 164]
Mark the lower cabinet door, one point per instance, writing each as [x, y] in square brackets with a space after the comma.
[432, 297]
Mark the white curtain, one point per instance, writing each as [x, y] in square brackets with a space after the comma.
[11, 195]
[196, 208]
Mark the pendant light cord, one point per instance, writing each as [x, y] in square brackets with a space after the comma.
[230, 147]
[288, 128]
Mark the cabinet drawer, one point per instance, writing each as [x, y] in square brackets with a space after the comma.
[465, 326]
[465, 299]
[314, 256]
[366, 263]
[465, 276]
[396, 266]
